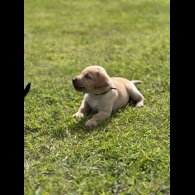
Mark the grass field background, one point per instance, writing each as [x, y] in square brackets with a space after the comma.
[128, 153]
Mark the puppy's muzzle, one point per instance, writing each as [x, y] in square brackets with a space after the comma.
[75, 81]
[76, 84]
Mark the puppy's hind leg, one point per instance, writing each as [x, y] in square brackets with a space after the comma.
[135, 94]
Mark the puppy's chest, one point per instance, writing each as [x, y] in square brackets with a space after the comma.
[95, 103]
[98, 102]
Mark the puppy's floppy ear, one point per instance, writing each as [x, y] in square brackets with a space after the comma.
[102, 80]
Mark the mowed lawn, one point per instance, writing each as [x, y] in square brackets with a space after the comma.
[128, 153]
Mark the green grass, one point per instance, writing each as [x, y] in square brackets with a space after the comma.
[128, 153]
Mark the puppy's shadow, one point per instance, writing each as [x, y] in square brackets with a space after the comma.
[79, 125]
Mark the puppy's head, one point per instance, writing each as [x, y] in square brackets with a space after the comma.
[92, 79]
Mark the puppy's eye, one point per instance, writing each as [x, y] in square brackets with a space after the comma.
[87, 76]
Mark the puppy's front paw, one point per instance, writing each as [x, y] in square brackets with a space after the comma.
[91, 123]
[139, 104]
[78, 115]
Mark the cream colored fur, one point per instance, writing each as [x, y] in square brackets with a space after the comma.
[94, 81]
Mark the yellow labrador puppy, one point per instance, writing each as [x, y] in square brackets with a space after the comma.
[104, 94]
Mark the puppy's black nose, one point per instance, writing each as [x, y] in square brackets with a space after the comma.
[74, 80]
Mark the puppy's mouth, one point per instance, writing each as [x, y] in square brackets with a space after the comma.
[77, 86]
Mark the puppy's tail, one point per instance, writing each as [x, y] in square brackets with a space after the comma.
[136, 81]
